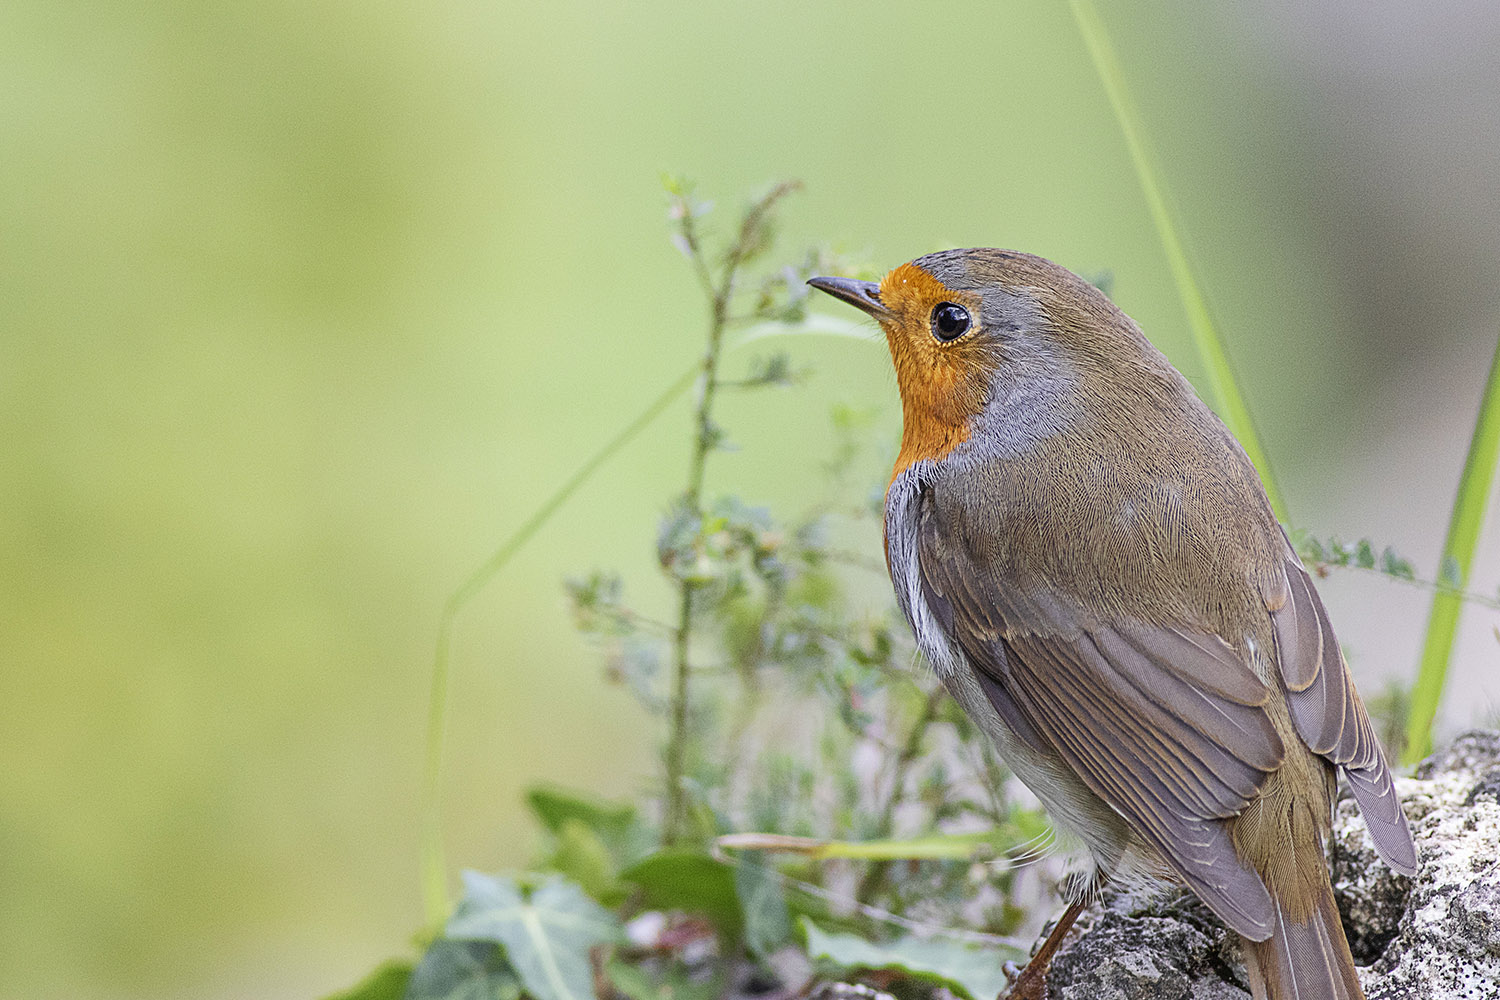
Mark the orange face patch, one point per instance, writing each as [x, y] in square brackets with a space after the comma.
[943, 384]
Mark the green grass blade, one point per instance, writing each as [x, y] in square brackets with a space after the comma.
[434, 866]
[1474, 488]
[1221, 381]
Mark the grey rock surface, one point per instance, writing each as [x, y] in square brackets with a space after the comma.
[1432, 937]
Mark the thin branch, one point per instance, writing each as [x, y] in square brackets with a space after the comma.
[705, 441]
[875, 875]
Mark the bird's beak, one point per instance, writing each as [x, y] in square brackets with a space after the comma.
[863, 295]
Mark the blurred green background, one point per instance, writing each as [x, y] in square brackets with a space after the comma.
[304, 306]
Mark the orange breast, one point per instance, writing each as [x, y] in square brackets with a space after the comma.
[943, 385]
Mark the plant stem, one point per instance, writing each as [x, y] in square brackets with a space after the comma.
[705, 441]
[875, 874]
[1458, 555]
[677, 740]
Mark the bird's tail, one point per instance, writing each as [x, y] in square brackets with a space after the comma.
[1304, 960]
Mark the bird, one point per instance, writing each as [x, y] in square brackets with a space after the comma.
[1089, 561]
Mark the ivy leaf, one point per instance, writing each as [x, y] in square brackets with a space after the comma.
[974, 972]
[547, 937]
[763, 903]
[388, 982]
[555, 806]
[690, 881]
[463, 970]
[618, 826]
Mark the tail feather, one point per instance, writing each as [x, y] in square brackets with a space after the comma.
[1309, 960]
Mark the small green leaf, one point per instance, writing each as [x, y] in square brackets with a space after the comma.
[1392, 564]
[1309, 548]
[971, 971]
[690, 881]
[762, 897]
[583, 857]
[387, 982]
[616, 824]
[547, 938]
[463, 970]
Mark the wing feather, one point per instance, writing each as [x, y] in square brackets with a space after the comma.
[1168, 728]
[1329, 715]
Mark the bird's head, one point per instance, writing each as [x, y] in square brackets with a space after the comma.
[971, 330]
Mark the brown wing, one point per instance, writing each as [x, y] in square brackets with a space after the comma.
[1329, 715]
[1166, 727]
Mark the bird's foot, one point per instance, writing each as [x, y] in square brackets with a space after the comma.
[1029, 983]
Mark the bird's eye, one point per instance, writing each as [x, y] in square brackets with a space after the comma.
[949, 321]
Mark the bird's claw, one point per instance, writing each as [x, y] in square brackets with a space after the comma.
[1024, 987]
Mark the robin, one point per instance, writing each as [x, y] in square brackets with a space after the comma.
[1088, 560]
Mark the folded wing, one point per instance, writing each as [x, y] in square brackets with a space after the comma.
[1167, 727]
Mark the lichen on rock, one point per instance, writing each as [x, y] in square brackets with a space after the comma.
[1435, 936]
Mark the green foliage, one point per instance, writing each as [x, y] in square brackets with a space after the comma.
[464, 970]
[769, 682]
[617, 829]
[766, 644]
[663, 981]
[970, 971]
[1321, 554]
[690, 881]
[547, 934]
[762, 901]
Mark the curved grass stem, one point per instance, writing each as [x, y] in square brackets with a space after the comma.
[1227, 398]
[434, 865]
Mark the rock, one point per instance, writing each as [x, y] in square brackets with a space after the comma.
[1162, 948]
[847, 991]
[1432, 937]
